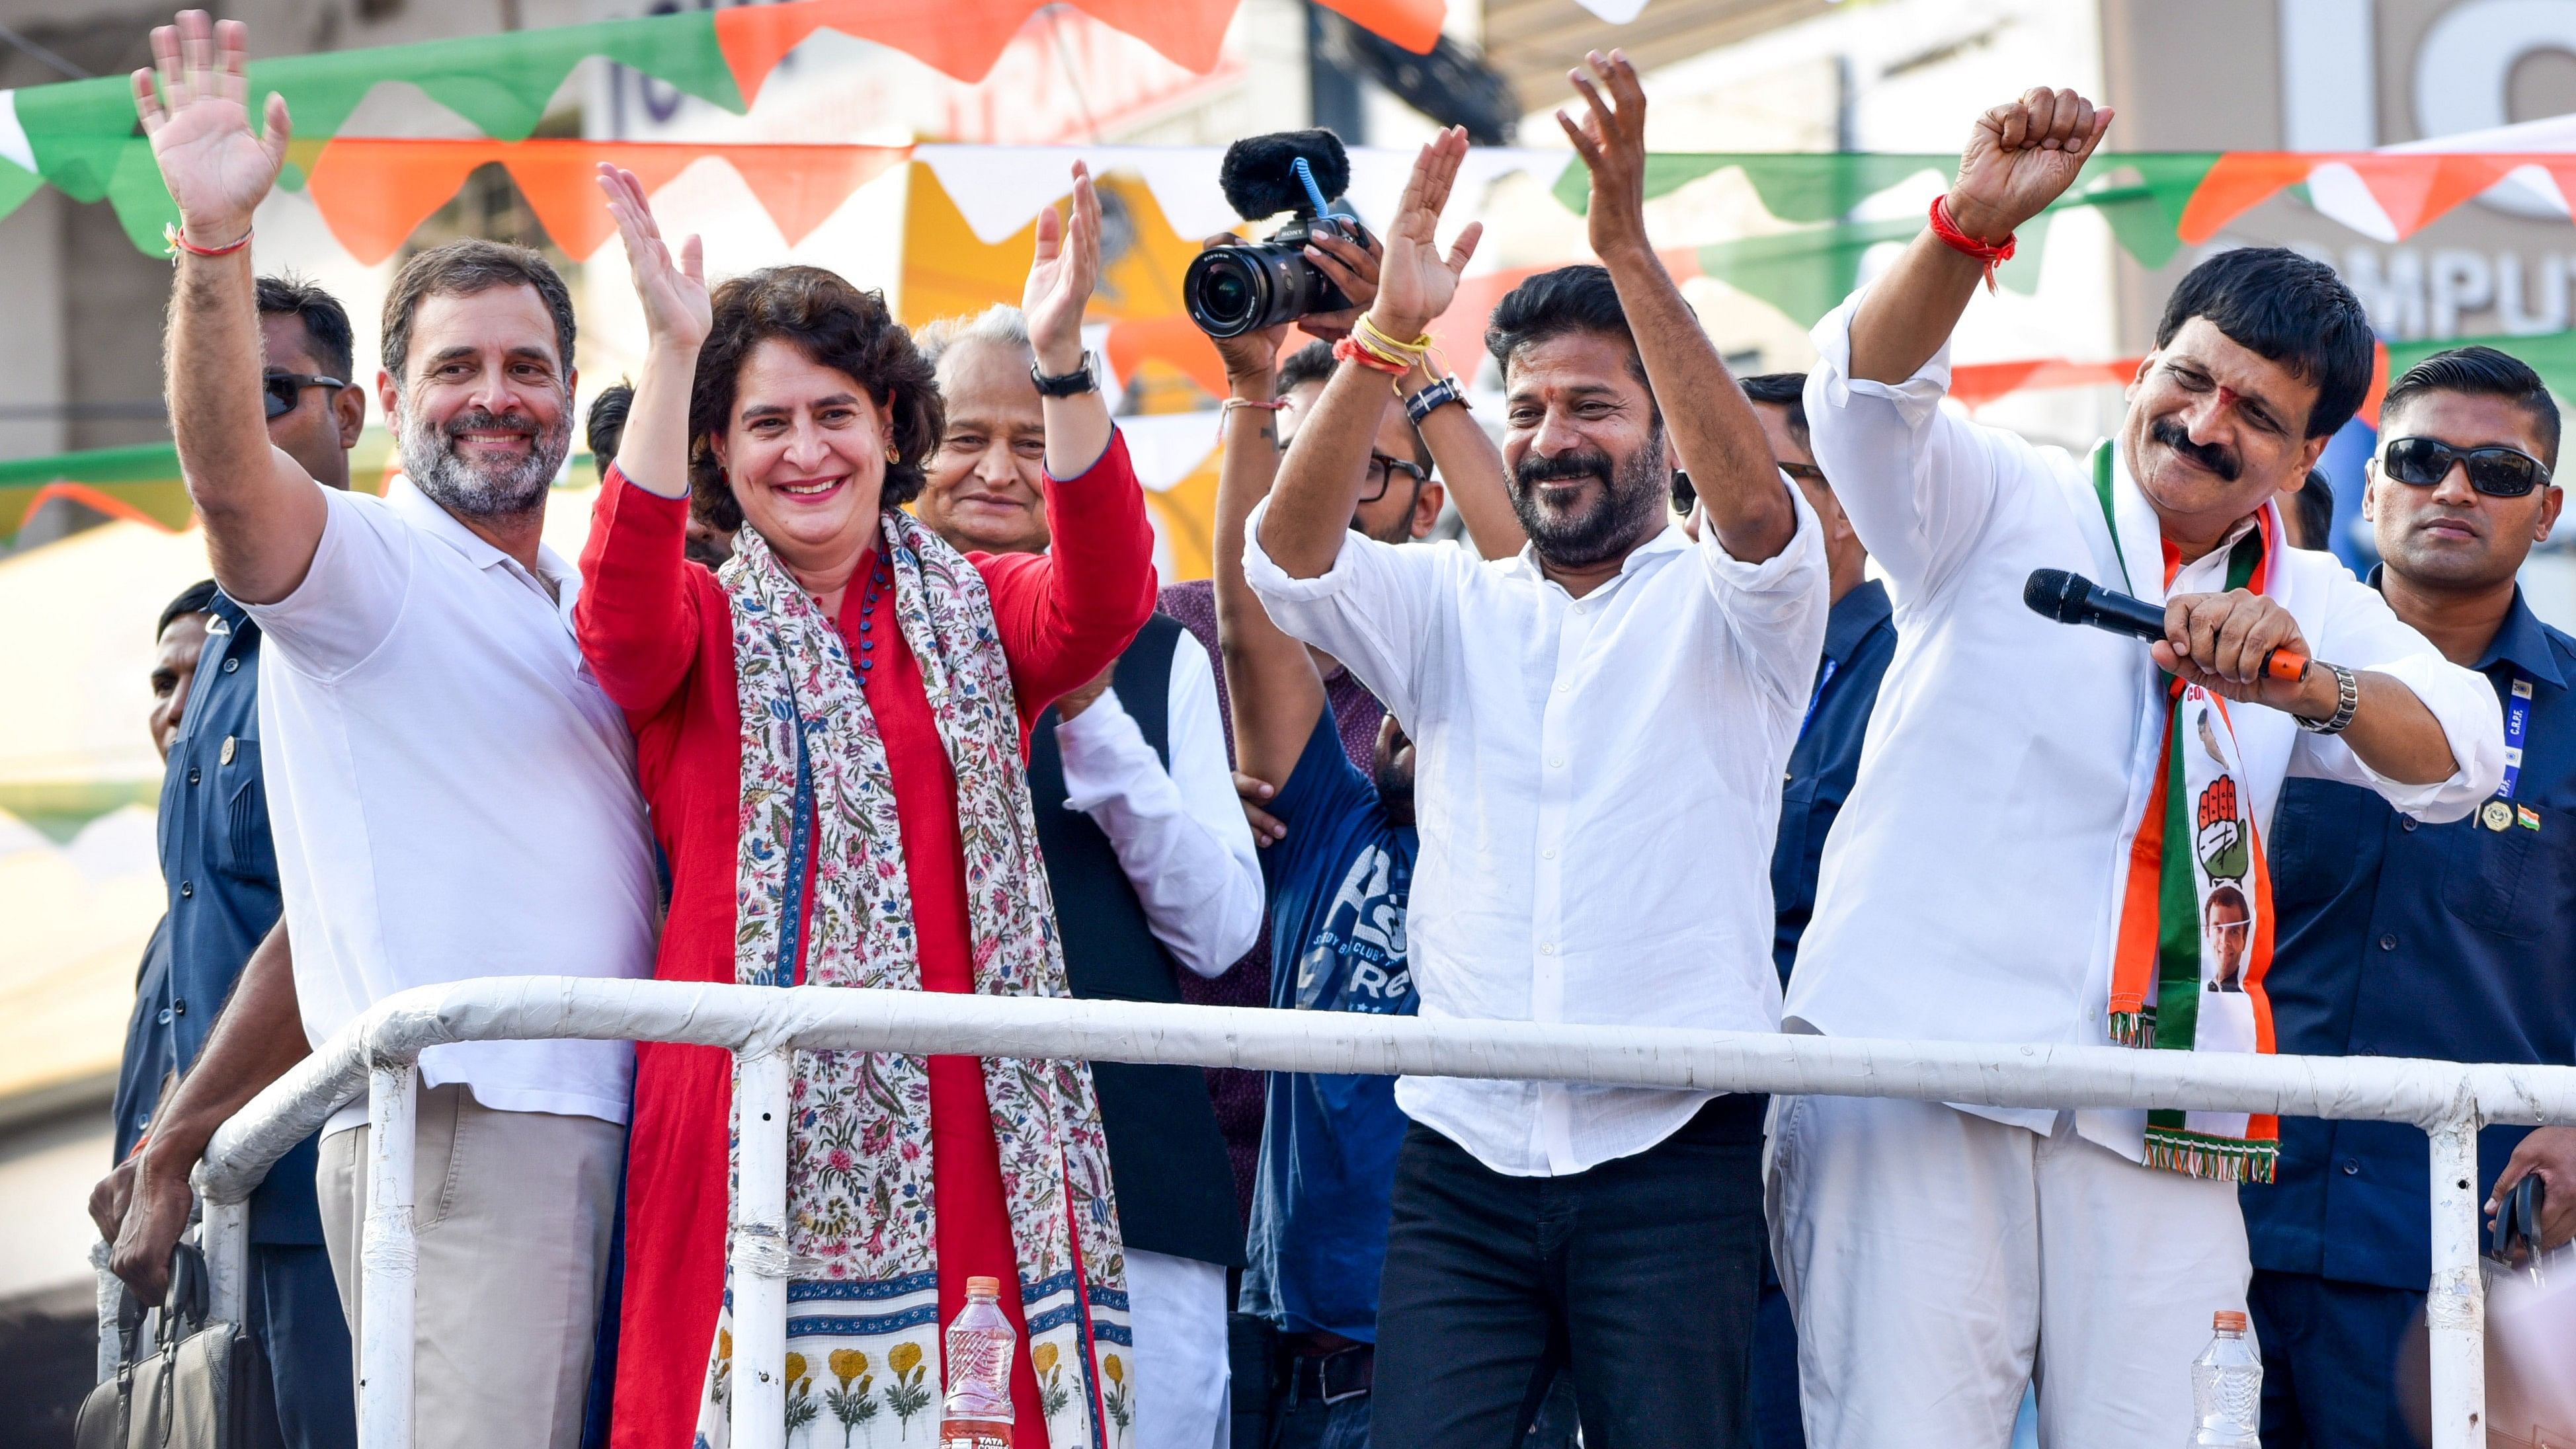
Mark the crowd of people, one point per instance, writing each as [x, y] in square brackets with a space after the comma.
[1725, 714]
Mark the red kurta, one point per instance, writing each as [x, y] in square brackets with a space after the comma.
[657, 631]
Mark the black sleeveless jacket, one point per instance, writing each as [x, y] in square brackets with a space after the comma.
[1175, 1187]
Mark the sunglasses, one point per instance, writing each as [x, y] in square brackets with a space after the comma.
[280, 391]
[1382, 469]
[2498, 471]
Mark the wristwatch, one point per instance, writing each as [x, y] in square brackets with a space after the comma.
[1072, 384]
[2347, 699]
[1439, 394]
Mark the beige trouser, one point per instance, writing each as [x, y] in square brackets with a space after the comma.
[1936, 1262]
[513, 1211]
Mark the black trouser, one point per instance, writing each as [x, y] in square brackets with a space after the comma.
[1638, 1277]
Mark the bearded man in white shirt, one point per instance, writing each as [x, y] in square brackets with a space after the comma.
[452, 794]
[1600, 724]
[1938, 1259]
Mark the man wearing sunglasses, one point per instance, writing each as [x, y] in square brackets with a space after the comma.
[2401, 938]
[1941, 1259]
[220, 867]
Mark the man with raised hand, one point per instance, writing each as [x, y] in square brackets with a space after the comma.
[1939, 1259]
[452, 795]
[1600, 724]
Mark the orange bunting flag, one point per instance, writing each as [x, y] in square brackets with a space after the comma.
[962, 38]
[373, 191]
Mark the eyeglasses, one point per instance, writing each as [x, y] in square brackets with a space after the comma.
[280, 391]
[1382, 468]
[2499, 472]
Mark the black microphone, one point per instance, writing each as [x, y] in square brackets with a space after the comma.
[2074, 599]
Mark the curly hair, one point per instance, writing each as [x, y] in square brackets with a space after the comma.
[835, 325]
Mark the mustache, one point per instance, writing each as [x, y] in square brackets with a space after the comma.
[1581, 463]
[2215, 457]
[476, 420]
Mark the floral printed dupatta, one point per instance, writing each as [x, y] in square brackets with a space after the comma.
[818, 804]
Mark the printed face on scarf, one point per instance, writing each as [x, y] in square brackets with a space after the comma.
[1583, 447]
[2230, 934]
[2215, 428]
[2450, 535]
[805, 455]
[485, 418]
[984, 488]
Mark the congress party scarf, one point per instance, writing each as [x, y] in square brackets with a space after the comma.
[818, 815]
[2196, 915]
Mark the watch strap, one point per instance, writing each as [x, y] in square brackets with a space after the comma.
[1438, 395]
[1081, 380]
[2347, 699]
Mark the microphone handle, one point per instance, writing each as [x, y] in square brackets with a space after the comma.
[2121, 614]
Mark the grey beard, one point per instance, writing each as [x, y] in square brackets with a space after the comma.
[430, 461]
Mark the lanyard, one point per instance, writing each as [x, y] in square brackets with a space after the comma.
[2517, 715]
[1825, 676]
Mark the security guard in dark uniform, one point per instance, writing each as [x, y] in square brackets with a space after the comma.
[2403, 939]
[219, 865]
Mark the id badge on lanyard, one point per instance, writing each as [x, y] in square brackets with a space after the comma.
[2501, 813]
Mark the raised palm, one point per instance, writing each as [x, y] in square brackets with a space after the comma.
[673, 290]
[1415, 282]
[1062, 274]
[2022, 156]
[199, 125]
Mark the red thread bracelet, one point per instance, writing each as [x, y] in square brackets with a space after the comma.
[179, 242]
[1350, 349]
[1947, 229]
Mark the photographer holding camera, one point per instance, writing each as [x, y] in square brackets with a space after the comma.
[1533, 1224]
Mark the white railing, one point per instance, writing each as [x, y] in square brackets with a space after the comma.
[378, 1052]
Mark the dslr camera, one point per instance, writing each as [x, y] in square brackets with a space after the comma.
[1245, 287]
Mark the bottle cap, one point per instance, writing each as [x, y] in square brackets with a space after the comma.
[2227, 1321]
[980, 1287]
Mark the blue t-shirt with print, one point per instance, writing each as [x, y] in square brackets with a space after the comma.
[1338, 885]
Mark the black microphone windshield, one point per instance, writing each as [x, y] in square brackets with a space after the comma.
[2058, 594]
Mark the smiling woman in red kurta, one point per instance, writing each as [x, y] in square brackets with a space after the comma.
[862, 709]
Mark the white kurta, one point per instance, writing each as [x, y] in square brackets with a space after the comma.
[1971, 888]
[1938, 1260]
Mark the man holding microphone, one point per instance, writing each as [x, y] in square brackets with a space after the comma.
[1937, 1258]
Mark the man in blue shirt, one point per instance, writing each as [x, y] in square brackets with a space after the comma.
[220, 868]
[1338, 867]
[2402, 939]
[180, 641]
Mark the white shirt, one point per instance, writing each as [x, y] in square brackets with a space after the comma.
[1597, 782]
[1180, 834]
[1971, 888]
[453, 796]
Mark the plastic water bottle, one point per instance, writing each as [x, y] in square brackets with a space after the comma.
[2227, 1388]
[977, 1414]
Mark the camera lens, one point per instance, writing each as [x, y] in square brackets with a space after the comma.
[1226, 291]
[1233, 290]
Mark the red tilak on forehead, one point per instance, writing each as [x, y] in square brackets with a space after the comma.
[2227, 396]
